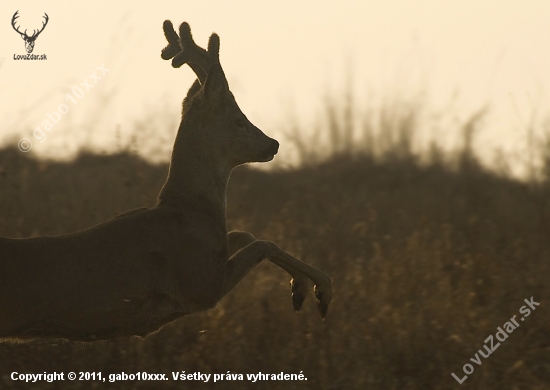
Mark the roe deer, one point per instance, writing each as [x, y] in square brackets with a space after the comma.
[147, 267]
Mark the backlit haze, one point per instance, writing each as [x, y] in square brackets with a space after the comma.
[281, 58]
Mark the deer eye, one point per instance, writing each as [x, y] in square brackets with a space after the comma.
[239, 123]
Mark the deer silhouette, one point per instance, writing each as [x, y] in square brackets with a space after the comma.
[147, 267]
[29, 41]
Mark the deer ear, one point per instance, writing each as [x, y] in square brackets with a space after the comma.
[215, 85]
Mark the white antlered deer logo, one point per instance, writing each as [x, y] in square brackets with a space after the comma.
[29, 40]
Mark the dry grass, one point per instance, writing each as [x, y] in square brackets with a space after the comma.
[427, 262]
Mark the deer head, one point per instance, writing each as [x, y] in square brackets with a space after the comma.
[29, 41]
[212, 120]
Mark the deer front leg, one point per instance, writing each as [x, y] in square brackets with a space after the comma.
[249, 256]
[299, 284]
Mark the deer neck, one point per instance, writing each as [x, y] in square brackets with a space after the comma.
[195, 179]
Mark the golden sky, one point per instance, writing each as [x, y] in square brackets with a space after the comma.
[280, 57]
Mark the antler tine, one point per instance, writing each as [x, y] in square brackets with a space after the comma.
[188, 52]
[173, 46]
[199, 59]
[37, 33]
[15, 16]
[214, 47]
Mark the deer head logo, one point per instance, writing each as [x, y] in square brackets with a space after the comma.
[29, 41]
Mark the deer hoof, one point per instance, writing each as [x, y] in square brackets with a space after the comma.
[297, 301]
[299, 293]
[323, 308]
[323, 300]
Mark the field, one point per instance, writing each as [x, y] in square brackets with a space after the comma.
[427, 262]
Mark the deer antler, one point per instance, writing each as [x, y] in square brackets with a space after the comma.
[15, 16]
[184, 50]
[24, 34]
[36, 34]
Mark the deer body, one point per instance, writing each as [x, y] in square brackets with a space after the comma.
[144, 268]
[125, 284]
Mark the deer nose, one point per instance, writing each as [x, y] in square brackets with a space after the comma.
[273, 147]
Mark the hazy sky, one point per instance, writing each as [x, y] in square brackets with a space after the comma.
[280, 57]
